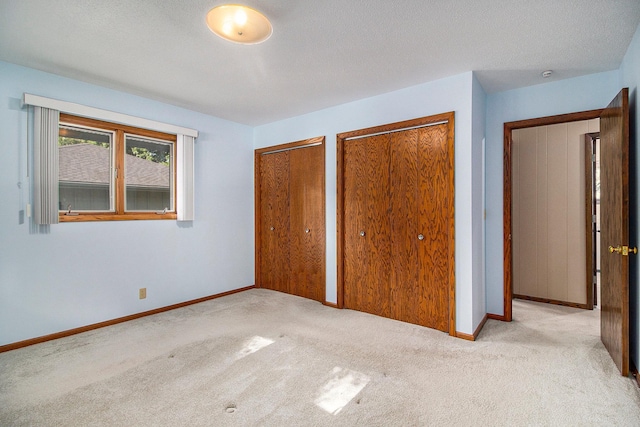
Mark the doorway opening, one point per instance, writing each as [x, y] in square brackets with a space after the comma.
[552, 213]
[509, 129]
[614, 226]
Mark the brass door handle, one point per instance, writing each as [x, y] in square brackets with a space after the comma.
[623, 250]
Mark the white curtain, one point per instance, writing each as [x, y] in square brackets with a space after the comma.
[45, 165]
[185, 159]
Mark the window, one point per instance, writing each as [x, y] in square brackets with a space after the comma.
[114, 172]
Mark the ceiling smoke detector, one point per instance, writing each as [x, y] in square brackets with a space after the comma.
[546, 74]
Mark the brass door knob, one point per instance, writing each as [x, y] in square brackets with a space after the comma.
[623, 250]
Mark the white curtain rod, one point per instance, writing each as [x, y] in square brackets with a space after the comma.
[106, 115]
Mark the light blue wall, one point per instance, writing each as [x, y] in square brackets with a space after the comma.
[630, 76]
[565, 96]
[450, 94]
[89, 272]
[479, 102]
[84, 273]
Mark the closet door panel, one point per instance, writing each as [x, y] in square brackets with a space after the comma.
[367, 266]
[268, 241]
[274, 198]
[356, 256]
[433, 166]
[378, 230]
[307, 233]
[404, 288]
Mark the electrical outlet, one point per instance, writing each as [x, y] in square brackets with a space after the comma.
[143, 293]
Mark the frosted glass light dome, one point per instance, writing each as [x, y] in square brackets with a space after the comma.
[239, 24]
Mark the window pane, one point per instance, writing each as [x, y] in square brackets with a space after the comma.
[148, 174]
[85, 179]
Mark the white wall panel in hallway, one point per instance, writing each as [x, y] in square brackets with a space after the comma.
[549, 228]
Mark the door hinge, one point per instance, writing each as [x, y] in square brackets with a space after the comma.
[593, 158]
[594, 219]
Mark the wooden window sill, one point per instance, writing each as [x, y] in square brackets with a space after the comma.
[117, 217]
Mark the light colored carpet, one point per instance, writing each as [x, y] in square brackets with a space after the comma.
[265, 358]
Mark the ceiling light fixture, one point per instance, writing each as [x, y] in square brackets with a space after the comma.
[239, 24]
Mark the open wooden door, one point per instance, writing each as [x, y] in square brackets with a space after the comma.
[614, 211]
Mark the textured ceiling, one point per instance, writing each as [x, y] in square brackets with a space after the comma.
[321, 53]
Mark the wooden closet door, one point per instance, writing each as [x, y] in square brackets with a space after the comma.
[436, 210]
[397, 192]
[274, 201]
[307, 230]
[367, 262]
[396, 254]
